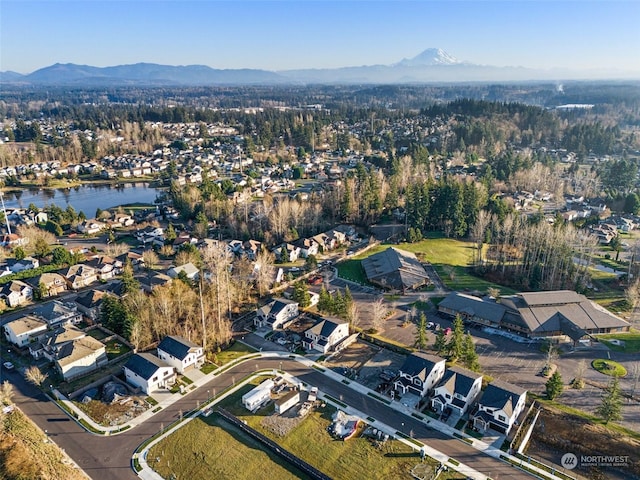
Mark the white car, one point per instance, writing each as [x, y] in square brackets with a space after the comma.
[8, 365]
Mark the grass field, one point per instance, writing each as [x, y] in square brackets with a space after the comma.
[450, 257]
[232, 353]
[631, 341]
[203, 449]
[115, 348]
[26, 453]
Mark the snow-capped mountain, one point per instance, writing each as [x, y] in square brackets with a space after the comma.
[429, 57]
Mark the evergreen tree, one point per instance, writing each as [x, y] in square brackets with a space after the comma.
[301, 294]
[469, 355]
[129, 283]
[19, 253]
[170, 235]
[421, 333]
[455, 346]
[554, 386]
[611, 406]
[440, 344]
[324, 302]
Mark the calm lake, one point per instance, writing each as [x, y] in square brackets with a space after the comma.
[84, 198]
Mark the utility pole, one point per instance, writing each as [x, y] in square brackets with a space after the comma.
[4, 210]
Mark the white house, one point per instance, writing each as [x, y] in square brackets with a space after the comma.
[499, 407]
[180, 353]
[91, 227]
[326, 335]
[307, 246]
[149, 372]
[19, 331]
[16, 293]
[258, 396]
[457, 390]
[276, 314]
[419, 373]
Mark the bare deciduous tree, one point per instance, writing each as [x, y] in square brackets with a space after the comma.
[378, 314]
[6, 393]
[35, 376]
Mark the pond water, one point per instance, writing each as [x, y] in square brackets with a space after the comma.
[84, 198]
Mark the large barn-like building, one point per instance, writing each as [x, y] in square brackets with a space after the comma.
[561, 313]
[395, 269]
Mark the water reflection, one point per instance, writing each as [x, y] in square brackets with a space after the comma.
[85, 198]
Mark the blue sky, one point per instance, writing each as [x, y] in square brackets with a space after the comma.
[579, 34]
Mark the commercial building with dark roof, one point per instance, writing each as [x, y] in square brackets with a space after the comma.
[561, 313]
[395, 269]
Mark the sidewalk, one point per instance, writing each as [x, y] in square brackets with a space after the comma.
[398, 406]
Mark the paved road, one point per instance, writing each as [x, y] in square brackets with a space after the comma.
[109, 457]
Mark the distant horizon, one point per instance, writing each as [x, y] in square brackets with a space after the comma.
[284, 35]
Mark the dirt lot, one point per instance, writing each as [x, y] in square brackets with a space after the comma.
[557, 433]
[368, 361]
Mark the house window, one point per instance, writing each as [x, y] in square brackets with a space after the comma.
[447, 396]
[154, 379]
[501, 418]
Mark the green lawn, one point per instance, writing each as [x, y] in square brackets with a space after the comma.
[115, 348]
[450, 257]
[209, 448]
[631, 341]
[232, 353]
[98, 334]
[609, 367]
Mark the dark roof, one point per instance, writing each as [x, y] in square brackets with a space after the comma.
[420, 364]
[473, 307]
[324, 328]
[144, 365]
[502, 395]
[90, 299]
[553, 311]
[177, 347]
[395, 268]
[459, 380]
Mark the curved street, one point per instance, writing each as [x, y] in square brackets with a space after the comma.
[109, 457]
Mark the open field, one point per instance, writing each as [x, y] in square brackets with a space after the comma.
[309, 440]
[631, 341]
[450, 257]
[210, 448]
[26, 453]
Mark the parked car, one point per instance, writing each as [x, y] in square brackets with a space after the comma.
[447, 331]
[8, 365]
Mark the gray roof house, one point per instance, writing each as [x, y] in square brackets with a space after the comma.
[148, 372]
[457, 390]
[180, 353]
[419, 373]
[395, 269]
[276, 314]
[499, 407]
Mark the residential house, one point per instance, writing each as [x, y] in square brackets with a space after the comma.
[149, 282]
[457, 390]
[293, 252]
[80, 357]
[45, 344]
[91, 227]
[150, 234]
[104, 266]
[276, 314]
[148, 372]
[57, 313]
[27, 263]
[79, 276]
[307, 246]
[20, 331]
[89, 303]
[499, 407]
[326, 336]
[251, 248]
[48, 284]
[189, 269]
[325, 242]
[180, 353]
[419, 373]
[16, 293]
[13, 240]
[134, 259]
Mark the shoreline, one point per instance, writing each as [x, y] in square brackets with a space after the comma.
[80, 183]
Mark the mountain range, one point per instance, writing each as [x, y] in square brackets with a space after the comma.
[431, 66]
